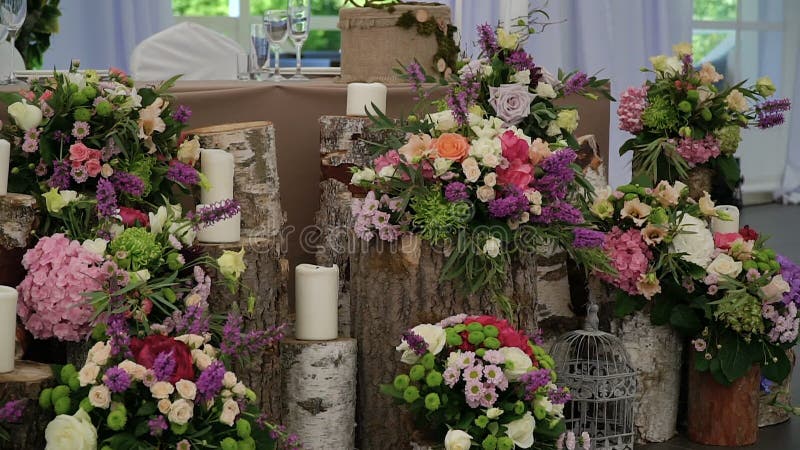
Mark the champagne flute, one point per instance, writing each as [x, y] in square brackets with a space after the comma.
[277, 25]
[299, 24]
[12, 16]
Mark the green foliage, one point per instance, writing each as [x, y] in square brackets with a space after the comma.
[34, 36]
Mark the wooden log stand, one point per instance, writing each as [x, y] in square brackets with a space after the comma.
[25, 383]
[772, 415]
[18, 217]
[319, 386]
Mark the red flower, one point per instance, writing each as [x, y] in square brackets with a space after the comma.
[518, 173]
[146, 350]
[130, 216]
[508, 336]
[748, 233]
[724, 240]
[514, 148]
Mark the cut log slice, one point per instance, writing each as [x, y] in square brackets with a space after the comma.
[26, 382]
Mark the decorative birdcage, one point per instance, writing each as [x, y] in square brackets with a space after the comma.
[602, 381]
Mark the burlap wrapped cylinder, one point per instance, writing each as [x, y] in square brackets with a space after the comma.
[373, 45]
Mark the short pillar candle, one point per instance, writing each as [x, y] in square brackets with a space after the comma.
[726, 226]
[8, 327]
[361, 97]
[222, 232]
[316, 302]
[217, 166]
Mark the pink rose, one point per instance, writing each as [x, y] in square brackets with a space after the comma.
[511, 102]
[130, 216]
[95, 154]
[78, 152]
[724, 240]
[93, 167]
[518, 173]
[514, 148]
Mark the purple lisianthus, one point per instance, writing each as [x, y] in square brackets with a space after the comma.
[511, 102]
[586, 238]
[456, 191]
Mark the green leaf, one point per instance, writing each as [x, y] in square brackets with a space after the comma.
[626, 304]
[734, 358]
[642, 180]
[778, 370]
[685, 320]
[701, 364]
[729, 169]
[716, 372]
[662, 309]
[8, 98]
[146, 409]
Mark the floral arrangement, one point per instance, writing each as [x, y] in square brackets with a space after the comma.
[10, 413]
[476, 380]
[682, 119]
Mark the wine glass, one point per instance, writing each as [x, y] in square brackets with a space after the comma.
[299, 23]
[259, 46]
[276, 22]
[12, 16]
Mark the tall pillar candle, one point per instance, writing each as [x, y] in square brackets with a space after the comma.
[726, 226]
[316, 302]
[361, 96]
[8, 327]
[222, 232]
[217, 166]
[5, 155]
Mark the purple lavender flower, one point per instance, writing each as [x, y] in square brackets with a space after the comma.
[240, 345]
[182, 114]
[209, 383]
[534, 380]
[586, 238]
[106, 198]
[559, 396]
[117, 380]
[770, 112]
[12, 411]
[194, 320]
[456, 191]
[157, 425]
[559, 211]
[128, 183]
[185, 174]
[487, 40]
[512, 204]
[462, 96]
[769, 120]
[61, 178]
[215, 212]
[415, 342]
[118, 333]
[576, 83]
[164, 366]
[417, 78]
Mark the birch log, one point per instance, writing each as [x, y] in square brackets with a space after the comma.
[772, 415]
[266, 276]
[319, 386]
[255, 180]
[25, 383]
[656, 353]
[18, 217]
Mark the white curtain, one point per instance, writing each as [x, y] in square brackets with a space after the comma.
[790, 185]
[103, 33]
[615, 37]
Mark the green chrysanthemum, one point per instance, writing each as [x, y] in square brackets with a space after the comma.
[138, 247]
[143, 169]
[729, 138]
[437, 219]
[660, 114]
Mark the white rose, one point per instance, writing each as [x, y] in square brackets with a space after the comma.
[136, 371]
[774, 291]
[201, 359]
[158, 220]
[457, 440]
[441, 165]
[520, 363]
[433, 335]
[162, 389]
[230, 409]
[229, 380]
[192, 340]
[164, 405]
[366, 174]
[521, 430]
[522, 77]
[186, 389]
[725, 265]
[100, 396]
[471, 170]
[545, 90]
[96, 246]
[25, 116]
[226, 393]
[88, 374]
[443, 121]
[695, 240]
[181, 411]
[491, 161]
[490, 179]
[189, 151]
[99, 353]
[494, 413]
[239, 389]
[209, 350]
[485, 193]
[71, 432]
[491, 247]
[68, 196]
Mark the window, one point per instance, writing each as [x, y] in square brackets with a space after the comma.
[233, 18]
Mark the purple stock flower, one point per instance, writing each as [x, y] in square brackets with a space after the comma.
[12, 411]
[61, 178]
[512, 204]
[192, 321]
[791, 274]
[182, 114]
[164, 366]
[462, 96]
[534, 380]
[117, 380]
[558, 174]
[520, 60]
[415, 342]
[586, 238]
[157, 425]
[559, 211]
[456, 191]
[128, 183]
[576, 83]
[215, 212]
[559, 396]
[106, 198]
[209, 383]
[179, 172]
[118, 333]
[487, 40]
[417, 78]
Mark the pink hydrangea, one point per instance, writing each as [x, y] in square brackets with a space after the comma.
[629, 255]
[632, 104]
[52, 301]
[698, 151]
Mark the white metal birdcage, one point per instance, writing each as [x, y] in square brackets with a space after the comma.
[602, 381]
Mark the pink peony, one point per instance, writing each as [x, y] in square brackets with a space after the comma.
[518, 173]
[629, 255]
[52, 295]
[698, 151]
[514, 148]
[631, 105]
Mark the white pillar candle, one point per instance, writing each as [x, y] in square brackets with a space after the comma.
[316, 302]
[224, 231]
[361, 96]
[5, 155]
[726, 226]
[217, 166]
[8, 327]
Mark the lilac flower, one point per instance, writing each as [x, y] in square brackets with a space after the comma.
[182, 114]
[209, 383]
[520, 60]
[185, 174]
[487, 40]
[106, 198]
[417, 78]
[456, 191]
[164, 366]
[128, 183]
[12, 411]
[512, 205]
[117, 380]
[585, 238]
[576, 83]
[215, 212]
[157, 425]
[415, 342]
[79, 174]
[534, 380]
[80, 130]
[559, 396]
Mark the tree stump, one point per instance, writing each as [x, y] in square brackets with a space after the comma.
[267, 275]
[18, 218]
[656, 353]
[772, 415]
[26, 382]
[255, 181]
[319, 387]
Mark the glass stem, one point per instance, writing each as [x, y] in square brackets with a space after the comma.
[12, 37]
[277, 51]
[298, 45]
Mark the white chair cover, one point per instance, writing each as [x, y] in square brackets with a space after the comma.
[187, 48]
[6, 64]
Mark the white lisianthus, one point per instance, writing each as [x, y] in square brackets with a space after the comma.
[441, 165]
[71, 432]
[553, 129]
[682, 49]
[100, 396]
[483, 147]
[725, 265]
[158, 220]
[26, 116]
[433, 335]
[486, 70]
[736, 101]
[181, 411]
[189, 151]
[694, 240]
[239, 390]
[522, 77]
[443, 121]
[230, 409]
[494, 413]
[387, 172]
[457, 440]
[77, 79]
[96, 246]
[491, 247]
[517, 362]
[229, 380]
[183, 232]
[140, 275]
[666, 65]
[765, 86]
[774, 291]
[507, 40]
[521, 430]
[487, 128]
[366, 174]
[568, 119]
[545, 90]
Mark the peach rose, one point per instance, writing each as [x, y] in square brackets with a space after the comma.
[163, 405]
[451, 146]
[162, 389]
